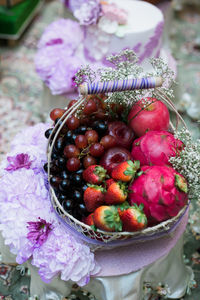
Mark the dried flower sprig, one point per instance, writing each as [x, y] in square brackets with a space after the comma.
[125, 66]
[85, 74]
[188, 163]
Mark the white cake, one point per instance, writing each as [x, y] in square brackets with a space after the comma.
[141, 33]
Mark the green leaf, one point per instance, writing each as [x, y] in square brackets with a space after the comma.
[139, 219]
[131, 164]
[93, 227]
[141, 206]
[136, 164]
[181, 183]
[139, 173]
[128, 172]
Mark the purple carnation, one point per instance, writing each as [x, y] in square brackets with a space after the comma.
[88, 12]
[57, 66]
[56, 61]
[32, 136]
[19, 161]
[63, 254]
[63, 32]
[24, 197]
[38, 231]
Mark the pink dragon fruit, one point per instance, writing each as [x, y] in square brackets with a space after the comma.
[155, 148]
[162, 190]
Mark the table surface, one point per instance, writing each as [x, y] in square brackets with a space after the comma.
[20, 106]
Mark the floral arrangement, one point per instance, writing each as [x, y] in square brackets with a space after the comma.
[37, 226]
[38, 234]
[108, 16]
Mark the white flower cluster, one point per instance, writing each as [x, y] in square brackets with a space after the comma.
[125, 66]
[188, 163]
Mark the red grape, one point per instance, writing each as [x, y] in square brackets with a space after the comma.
[108, 141]
[92, 136]
[73, 164]
[90, 107]
[100, 114]
[81, 141]
[71, 103]
[97, 150]
[89, 161]
[56, 113]
[73, 122]
[71, 151]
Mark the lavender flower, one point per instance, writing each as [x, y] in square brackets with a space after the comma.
[19, 161]
[38, 231]
[88, 13]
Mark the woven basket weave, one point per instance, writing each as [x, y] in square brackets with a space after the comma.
[101, 239]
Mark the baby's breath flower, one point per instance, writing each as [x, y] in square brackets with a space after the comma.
[124, 65]
[188, 162]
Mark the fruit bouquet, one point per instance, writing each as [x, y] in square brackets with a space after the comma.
[116, 164]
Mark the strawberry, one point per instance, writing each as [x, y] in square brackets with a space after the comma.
[133, 218]
[121, 207]
[88, 220]
[109, 182]
[116, 193]
[125, 171]
[94, 174]
[107, 218]
[93, 197]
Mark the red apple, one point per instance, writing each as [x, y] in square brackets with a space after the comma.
[113, 157]
[154, 117]
[122, 133]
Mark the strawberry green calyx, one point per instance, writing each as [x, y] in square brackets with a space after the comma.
[133, 167]
[97, 187]
[112, 219]
[125, 205]
[140, 207]
[100, 172]
[181, 183]
[123, 187]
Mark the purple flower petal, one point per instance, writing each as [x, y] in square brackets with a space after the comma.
[38, 231]
[18, 162]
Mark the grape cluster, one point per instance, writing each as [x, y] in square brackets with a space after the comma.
[79, 145]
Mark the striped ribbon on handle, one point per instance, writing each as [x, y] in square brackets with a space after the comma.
[119, 85]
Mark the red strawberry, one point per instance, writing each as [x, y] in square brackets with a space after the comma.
[93, 197]
[122, 207]
[107, 218]
[109, 182]
[94, 174]
[89, 219]
[116, 193]
[125, 171]
[133, 218]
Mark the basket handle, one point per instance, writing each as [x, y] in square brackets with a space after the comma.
[119, 85]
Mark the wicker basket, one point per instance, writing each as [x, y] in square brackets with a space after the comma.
[101, 239]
